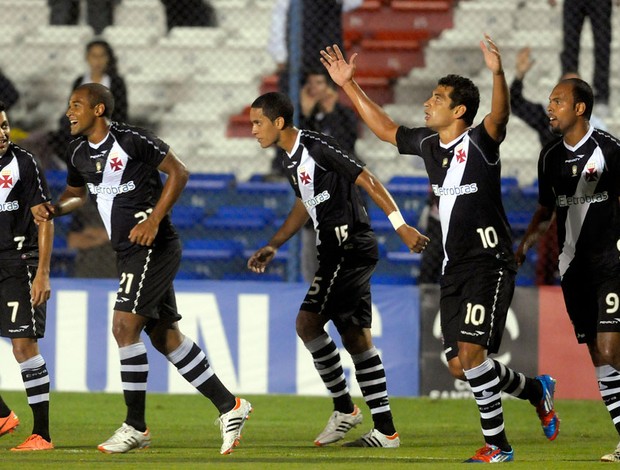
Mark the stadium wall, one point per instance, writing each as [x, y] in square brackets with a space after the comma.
[247, 330]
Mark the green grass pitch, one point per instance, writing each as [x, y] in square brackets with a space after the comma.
[279, 435]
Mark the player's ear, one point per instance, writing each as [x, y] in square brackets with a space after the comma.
[99, 109]
[580, 108]
[459, 111]
[279, 122]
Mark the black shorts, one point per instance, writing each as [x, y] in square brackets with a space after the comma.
[146, 281]
[473, 308]
[341, 292]
[593, 307]
[18, 319]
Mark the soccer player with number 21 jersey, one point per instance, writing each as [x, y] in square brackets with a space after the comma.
[119, 166]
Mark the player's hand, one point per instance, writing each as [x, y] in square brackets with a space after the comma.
[44, 212]
[524, 62]
[415, 241]
[144, 233]
[520, 253]
[261, 258]
[492, 57]
[41, 290]
[339, 69]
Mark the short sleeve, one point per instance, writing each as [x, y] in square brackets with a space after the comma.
[546, 197]
[409, 140]
[331, 156]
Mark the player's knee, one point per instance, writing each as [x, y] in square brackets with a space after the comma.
[24, 350]
[456, 369]
[356, 340]
[609, 353]
[308, 326]
[124, 334]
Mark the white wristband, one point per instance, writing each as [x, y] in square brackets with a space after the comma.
[396, 218]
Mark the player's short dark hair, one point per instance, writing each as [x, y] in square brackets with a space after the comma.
[2, 106]
[582, 93]
[274, 105]
[465, 93]
[99, 94]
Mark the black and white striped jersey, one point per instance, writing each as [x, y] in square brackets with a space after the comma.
[465, 175]
[323, 177]
[22, 186]
[582, 184]
[121, 175]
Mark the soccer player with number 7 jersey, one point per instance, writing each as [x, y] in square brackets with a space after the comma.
[25, 254]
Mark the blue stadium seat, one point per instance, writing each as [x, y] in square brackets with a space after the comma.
[62, 262]
[243, 229]
[210, 259]
[399, 266]
[274, 195]
[392, 279]
[208, 194]
[410, 180]
[409, 196]
[229, 178]
[266, 214]
[56, 181]
[519, 221]
[184, 217]
[509, 183]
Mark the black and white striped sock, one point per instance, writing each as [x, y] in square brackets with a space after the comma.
[370, 375]
[193, 365]
[134, 374]
[609, 386]
[517, 384]
[484, 384]
[37, 383]
[329, 366]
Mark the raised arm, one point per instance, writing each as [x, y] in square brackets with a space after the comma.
[343, 74]
[414, 240]
[495, 122]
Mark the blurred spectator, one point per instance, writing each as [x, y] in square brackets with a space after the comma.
[8, 93]
[535, 114]
[102, 69]
[101, 60]
[574, 13]
[321, 25]
[99, 13]
[95, 257]
[189, 13]
[320, 111]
